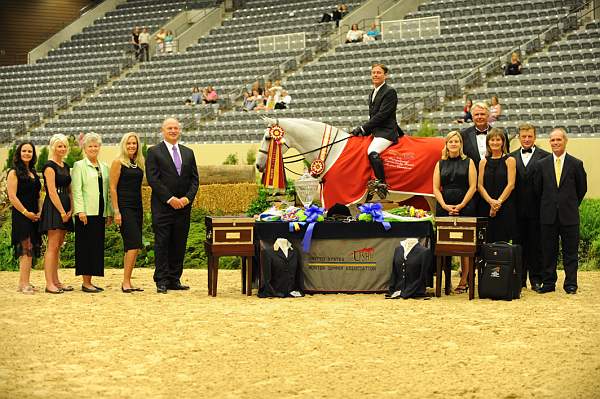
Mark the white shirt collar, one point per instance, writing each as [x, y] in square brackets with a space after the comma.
[376, 90]
[562, 157]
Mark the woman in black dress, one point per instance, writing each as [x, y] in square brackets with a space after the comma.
[126, 175]
[92, 210]
[454, 184]
[497, 173]
[23, 186]
[55, 219]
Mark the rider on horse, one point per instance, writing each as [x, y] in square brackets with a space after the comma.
[382, 125]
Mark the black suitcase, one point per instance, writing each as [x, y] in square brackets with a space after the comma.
[500, 271]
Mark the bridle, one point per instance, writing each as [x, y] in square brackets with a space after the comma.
[300, 157]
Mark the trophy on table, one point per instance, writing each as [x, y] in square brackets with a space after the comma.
[307, 188]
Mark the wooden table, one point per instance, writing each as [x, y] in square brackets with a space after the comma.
[440, 261]
[215, 251]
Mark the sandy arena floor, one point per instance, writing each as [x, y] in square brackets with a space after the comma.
[188, 345]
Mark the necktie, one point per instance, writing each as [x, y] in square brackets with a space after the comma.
[528, 150]
[177, 160]
[557, 171]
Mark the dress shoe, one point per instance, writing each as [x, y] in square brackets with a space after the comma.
[536, 286]
[90, 290]
[545, 289]
[126, 290]
[98, 288]
[571, 290]
[161, 288]
[178, 287]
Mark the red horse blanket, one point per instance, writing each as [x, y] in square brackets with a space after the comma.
[409, 166]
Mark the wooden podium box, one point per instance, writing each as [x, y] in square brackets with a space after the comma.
[458, 236]
[229, 236]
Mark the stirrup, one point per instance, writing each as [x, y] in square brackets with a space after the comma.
[375, 186]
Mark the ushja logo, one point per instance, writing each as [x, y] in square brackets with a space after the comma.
[363, 255]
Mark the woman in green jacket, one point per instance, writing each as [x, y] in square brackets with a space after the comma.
[92, 210]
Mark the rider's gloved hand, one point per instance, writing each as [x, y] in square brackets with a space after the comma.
[357, 131]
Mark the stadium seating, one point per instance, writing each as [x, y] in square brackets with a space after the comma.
[558, 87]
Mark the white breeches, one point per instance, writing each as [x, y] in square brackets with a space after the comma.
[378, 145]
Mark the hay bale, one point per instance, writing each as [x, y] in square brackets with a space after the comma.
[227, 198]
[226, 174]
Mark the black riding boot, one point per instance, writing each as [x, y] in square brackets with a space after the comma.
[379, 185]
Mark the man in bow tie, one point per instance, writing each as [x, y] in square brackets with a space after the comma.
[561, 184]
[528, 228]
[474, 137]
[173, 175]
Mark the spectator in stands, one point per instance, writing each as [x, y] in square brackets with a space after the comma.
[466, 116]
[160, 40]
[373, 33]
[497, 174]
[495, 110]
[126, 175]
[23, 186]
[270, 103]
[169, 42]
[249, 101]
[284, 100]
[336, 15]
[259, 99]
[144, 40]
[210, 96]
[93, 210]
[55, 219]
[196, 95]
[354, 35]
[135, 42]
[514, 68]
[454, 185]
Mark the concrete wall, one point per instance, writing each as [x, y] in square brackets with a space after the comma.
[86, 19]
[586, 149]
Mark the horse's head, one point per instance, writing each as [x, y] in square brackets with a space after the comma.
[261, 156]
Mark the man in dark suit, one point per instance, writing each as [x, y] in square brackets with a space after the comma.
[173, 175]
[561, 183]
[528, 228]
[382, 124]
[474, 137]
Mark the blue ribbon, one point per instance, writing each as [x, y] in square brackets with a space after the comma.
[312, 214]
[375, 210]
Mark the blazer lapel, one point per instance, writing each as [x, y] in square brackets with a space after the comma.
[473, 140]
[521, 168]
[565, 170]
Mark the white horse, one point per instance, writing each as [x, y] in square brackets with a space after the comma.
[308, 137]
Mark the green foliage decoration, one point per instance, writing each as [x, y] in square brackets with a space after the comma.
[7, 259]
[9, 157]
[426, 129]
[75, 152]
[589, 234]
[232, 159]
[42, 158]
[260, 204]
[250, 157]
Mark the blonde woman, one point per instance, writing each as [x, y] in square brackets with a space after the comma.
[126, 175]
[92, 208]
[454, 184]
[55, 219]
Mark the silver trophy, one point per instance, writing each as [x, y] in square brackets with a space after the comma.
[307, 188]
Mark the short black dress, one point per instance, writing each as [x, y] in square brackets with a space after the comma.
[50, 218]
[495, 178]
[89, 239]
[454, 184]
[129, 198]
[23, 228]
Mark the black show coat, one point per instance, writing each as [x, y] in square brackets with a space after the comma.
[410, 275]
[280, 275]
[527, 201]
[382, 114]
